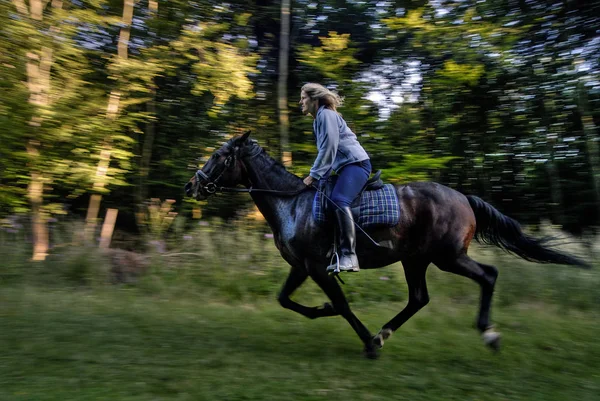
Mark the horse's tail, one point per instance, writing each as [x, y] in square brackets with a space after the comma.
[497, 229]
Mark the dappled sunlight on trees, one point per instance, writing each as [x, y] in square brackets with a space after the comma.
[120, 99]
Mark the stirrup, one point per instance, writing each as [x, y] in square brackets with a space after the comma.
[334, 267]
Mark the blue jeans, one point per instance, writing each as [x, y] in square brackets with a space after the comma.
[351, 179]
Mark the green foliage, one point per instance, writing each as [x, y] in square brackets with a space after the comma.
[334, 58]
[79, 266]
[219, 68]
[487, 97]
[414, 167]
[459, 74]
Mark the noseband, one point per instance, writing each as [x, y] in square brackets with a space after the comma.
[211, 186]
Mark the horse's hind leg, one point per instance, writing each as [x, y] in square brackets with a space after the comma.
[485, 276]
[418, 297]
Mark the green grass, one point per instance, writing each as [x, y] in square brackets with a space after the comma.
[237, 262]
[202, 323]
[117, 343]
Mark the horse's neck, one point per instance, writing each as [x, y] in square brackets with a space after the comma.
[266, 173]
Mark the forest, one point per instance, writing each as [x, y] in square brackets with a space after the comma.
[114, 104]
[114, 285]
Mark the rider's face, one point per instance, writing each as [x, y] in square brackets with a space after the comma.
[308, 105]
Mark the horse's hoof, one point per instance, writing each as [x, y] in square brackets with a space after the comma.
[380, 338]
[371, 352]
[491, 338]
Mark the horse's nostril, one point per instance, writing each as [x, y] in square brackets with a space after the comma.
[188, 189]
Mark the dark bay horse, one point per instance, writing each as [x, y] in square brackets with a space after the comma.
[436, 226]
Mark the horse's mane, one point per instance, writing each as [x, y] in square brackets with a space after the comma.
[271, 164]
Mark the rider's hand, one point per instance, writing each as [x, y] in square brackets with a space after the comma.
[308, 181]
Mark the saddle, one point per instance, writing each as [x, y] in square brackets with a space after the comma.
[376, 204]
[374, 183]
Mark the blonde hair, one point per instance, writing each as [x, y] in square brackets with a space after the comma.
[326, 98]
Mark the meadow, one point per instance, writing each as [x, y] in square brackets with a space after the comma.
[199, 320]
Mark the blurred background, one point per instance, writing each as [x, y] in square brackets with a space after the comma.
[107, 108]
[108, 104]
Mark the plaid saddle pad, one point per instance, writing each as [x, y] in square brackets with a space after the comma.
[377, 208]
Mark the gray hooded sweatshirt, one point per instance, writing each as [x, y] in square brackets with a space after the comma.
[336, 144]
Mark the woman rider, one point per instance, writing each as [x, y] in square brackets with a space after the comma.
[338, 150]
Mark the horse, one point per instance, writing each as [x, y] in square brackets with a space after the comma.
[436, 225]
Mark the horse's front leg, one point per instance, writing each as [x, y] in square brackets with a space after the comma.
[295, 279]
[333, 290]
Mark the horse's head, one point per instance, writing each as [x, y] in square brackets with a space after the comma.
[223, 169]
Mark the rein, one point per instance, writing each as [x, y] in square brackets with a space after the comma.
[269, 191]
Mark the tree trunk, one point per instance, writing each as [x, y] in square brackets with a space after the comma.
[589, 133]
[593, 155]
[555, 189]
[39, 219]
[146, 149]
[38, 83]
[284, 123]
[556, 193]
[112, 111]
[108, 228]
[146, 156]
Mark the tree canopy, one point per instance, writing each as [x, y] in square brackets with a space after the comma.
[122, 99]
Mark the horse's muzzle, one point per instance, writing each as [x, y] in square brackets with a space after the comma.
[189, 188]
[200, 186]
[194, 190]
[199, 192]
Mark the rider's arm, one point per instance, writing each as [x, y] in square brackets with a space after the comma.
[328, 138]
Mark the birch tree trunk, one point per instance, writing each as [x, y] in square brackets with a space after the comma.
[112, 111]
[39, 65]
[282, 103]
[39, 219]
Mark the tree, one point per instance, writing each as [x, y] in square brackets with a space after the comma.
[284, 124]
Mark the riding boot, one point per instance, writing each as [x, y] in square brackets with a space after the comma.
[347, 236]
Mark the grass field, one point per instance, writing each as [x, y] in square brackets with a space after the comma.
[205, 325]
[116, 344]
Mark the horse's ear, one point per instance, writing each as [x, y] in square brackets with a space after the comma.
[245, 136]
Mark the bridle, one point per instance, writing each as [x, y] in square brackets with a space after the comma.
[210, 186]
